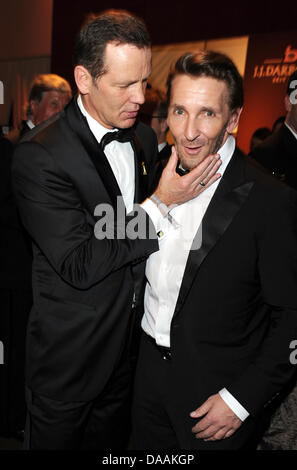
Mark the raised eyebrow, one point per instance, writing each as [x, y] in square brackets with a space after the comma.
[178, 106]
[208, 108]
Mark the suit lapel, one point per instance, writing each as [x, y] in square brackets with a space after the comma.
[137, 269]
[140, 171]
[80, 126]
[229, 197]
[289, 142]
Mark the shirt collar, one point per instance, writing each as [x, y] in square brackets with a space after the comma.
[226, 152]
[97, 129]
[30, 124]
[161, 146]
[290, 128]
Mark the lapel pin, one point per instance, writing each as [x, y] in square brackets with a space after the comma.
[143, 169]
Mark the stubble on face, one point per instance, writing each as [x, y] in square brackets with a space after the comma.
[190, 164]
[199, 117]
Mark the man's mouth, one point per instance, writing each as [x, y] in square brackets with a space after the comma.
[132, 114]
[193, 150]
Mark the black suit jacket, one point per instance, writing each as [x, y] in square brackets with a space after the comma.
[15, 249]
[165, 154]
[83, 287]
[278, 154]
[162, 161]
[236, 312]
[24, 128]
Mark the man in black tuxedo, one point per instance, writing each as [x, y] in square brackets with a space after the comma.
[279, 152]
[220, 308]
[87, 275]
[279, 155]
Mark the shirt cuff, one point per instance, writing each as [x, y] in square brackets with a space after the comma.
[153, 212]
[235, 406]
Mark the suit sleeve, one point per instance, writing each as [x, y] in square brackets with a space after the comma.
[53, 213]
[272, 369]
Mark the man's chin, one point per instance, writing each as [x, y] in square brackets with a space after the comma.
[190, 164]
[126, 123]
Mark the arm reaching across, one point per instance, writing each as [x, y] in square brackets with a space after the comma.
[176, 189]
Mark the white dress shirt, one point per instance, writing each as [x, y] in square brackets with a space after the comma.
[165, 268]
[161, 146]
[120, 157]
[30, 124]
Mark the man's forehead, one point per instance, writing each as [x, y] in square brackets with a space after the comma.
[54, 94]
[115, 50]
[185, 87]
[199, 83]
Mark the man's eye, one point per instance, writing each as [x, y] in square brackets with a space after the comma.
[179, 111]
[208, 113]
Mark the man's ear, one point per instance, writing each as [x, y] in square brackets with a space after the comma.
[233, 121]
[83, 79]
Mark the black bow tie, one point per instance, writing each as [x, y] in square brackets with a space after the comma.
[181, 171]
[123, 135]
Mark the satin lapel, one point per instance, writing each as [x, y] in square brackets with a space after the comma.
[230, 195]
[140, 171]
[290, 143]
[139, 195]
[80, 126]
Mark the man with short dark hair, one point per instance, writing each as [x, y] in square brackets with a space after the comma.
[220, 307]
[87, 272]
[278, 152]
[49, 94]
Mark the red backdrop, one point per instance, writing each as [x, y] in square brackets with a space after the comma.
[271, 58]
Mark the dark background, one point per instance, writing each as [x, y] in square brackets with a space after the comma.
[171, 22]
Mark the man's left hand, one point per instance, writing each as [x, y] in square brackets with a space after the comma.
[218, 422]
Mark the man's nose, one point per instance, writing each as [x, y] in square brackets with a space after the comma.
[138, 95]
[191, 129]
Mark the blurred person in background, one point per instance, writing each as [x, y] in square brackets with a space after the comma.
[278, 153]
